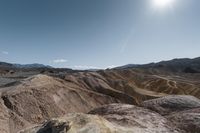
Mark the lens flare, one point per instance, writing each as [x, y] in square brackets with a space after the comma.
[163, 3]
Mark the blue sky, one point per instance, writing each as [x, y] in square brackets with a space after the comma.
[97, 33]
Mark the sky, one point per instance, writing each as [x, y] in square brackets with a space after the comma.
[87, 34]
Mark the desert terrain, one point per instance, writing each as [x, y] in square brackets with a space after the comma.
[153, 98]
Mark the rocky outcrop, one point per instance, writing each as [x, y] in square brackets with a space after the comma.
[188, 120]
[172, 103]
[78, 123]
[130, 116]
[181, 111]
[4, 118]
[115, 118]
[42, 97]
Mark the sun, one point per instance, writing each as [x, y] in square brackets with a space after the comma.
[163, 3]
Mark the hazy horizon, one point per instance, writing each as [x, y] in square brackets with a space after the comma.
[98, 33]
[94, 67]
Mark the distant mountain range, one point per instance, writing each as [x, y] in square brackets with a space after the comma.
[127, 66]
[176, 65]
[35, 65]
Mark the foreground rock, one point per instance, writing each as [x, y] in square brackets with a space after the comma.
[187, 120]
[173, 103]
[4, 126]
[140, 119]
[78, 123]
[115, 118]
[182, 111]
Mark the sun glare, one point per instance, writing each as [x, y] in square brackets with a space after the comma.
[163, 3]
